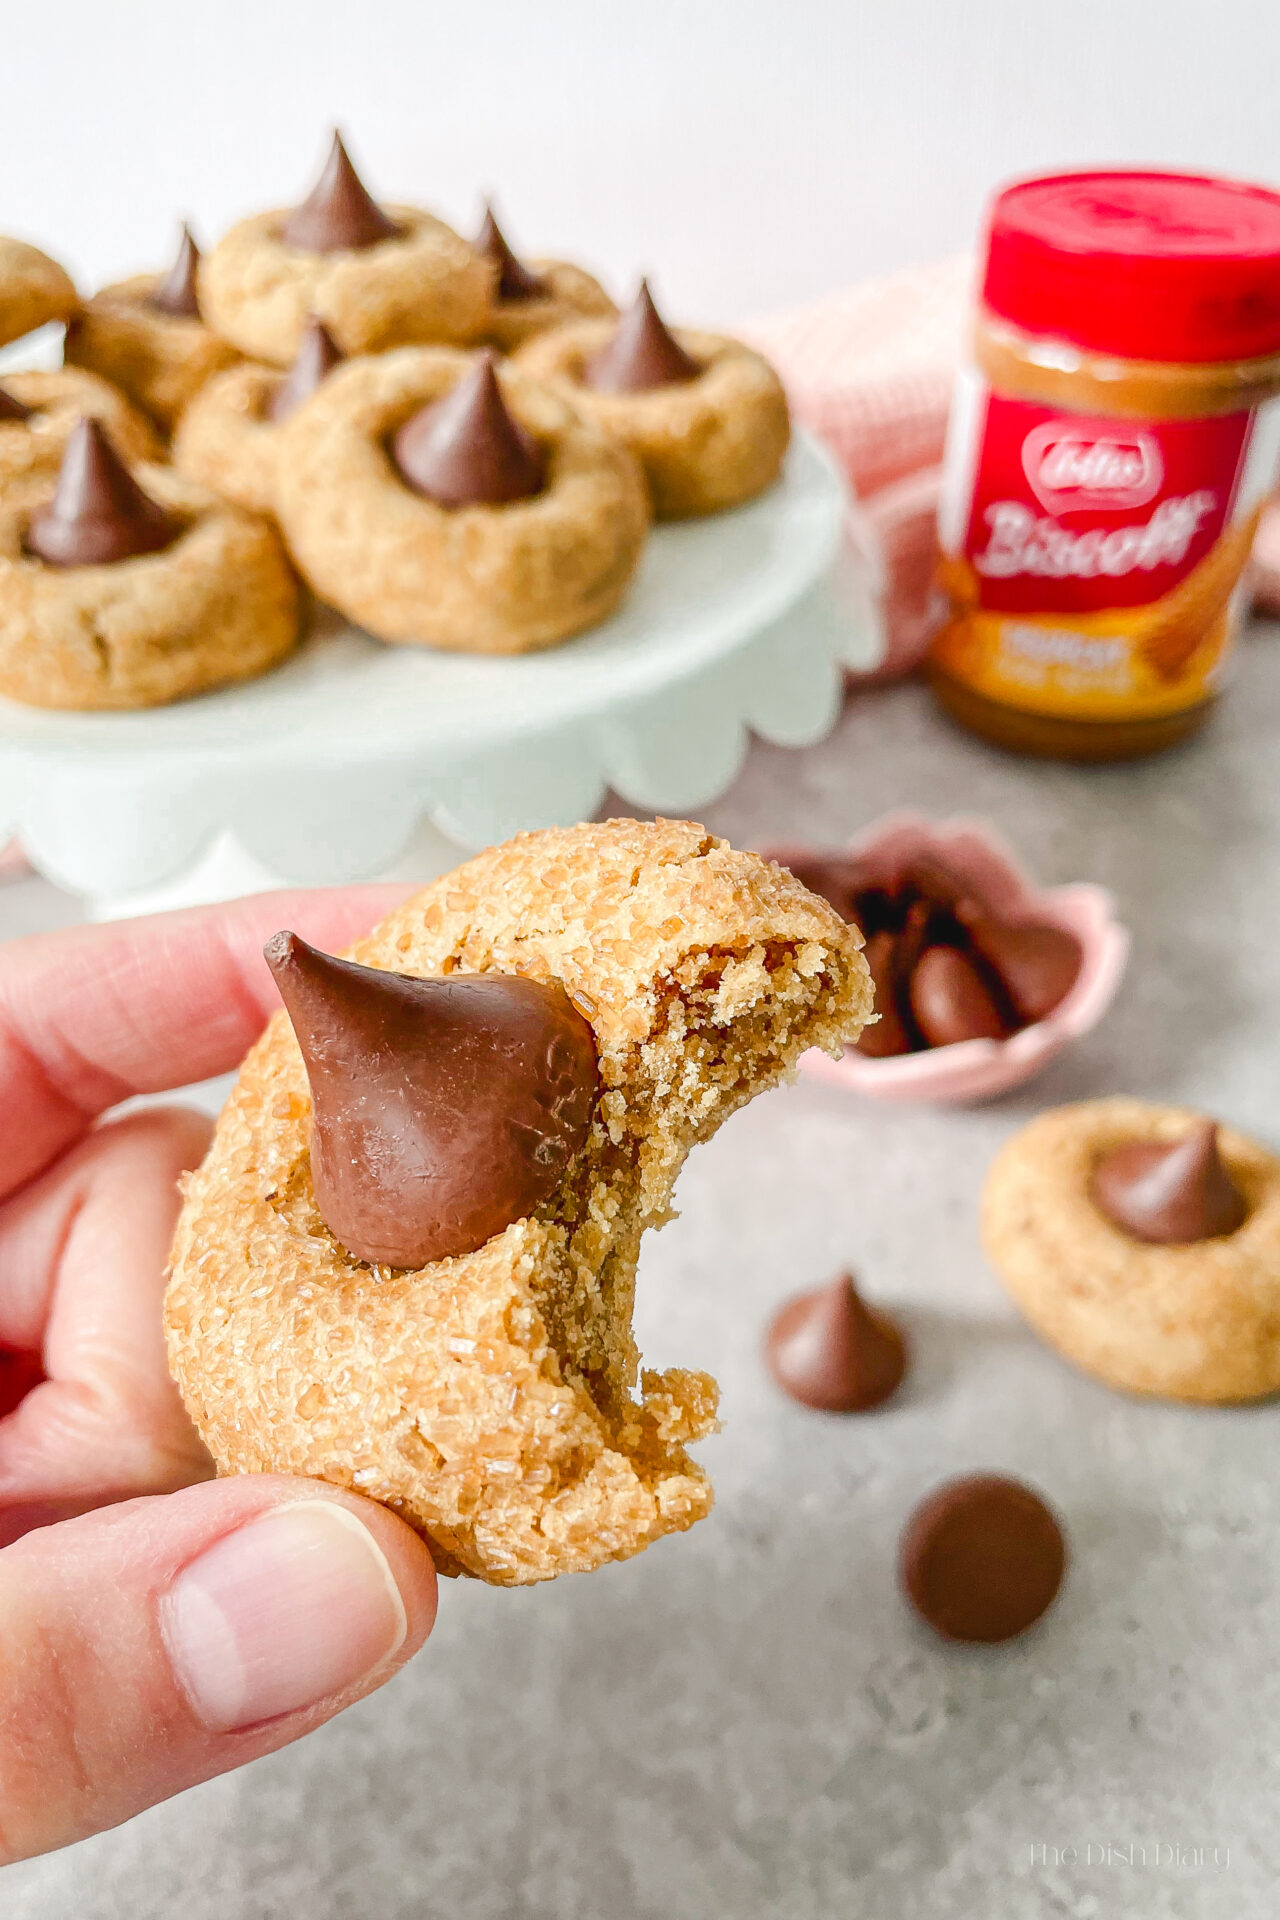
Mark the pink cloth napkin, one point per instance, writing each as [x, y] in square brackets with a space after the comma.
[870, 371]
[1266, 560]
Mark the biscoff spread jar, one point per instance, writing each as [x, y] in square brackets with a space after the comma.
[1109, 450]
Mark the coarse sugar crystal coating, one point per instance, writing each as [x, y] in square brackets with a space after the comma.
[490, 1398]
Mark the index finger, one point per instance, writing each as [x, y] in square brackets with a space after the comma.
[94, 1014]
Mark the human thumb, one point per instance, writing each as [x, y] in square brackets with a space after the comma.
[151, 1645]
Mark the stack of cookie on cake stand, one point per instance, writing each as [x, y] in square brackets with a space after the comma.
[596, 549]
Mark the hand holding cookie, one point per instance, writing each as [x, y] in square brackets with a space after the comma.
[159, 1627]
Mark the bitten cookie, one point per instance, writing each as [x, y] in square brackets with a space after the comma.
[377, 277]
[146, 334]
[705, 416]
[533, 297]
[436, 501]
[489, 1398]
[229, 437]
[1145, 1246]
[39, 412]
[33, 290]
[118, 592]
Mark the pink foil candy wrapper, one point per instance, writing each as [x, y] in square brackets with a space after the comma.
[980, 1069]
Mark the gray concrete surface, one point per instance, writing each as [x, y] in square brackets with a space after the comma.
[746, 1722]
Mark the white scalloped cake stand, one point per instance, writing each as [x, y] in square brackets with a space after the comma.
[356, 759]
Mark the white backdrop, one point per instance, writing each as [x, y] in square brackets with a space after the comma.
[750, 152]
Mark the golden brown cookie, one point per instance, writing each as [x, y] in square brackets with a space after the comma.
[33, 290]
[218, 603]
[229, 437]
[377, 277]
[705, 443]
[161, 359]
[420, 283]
[532, 297]
[565, 293]
[1197, 1321]
[227, 440]
[56, 400]
[489, 1398]
[472, 579]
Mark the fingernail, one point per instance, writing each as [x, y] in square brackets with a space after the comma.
[292, 1608]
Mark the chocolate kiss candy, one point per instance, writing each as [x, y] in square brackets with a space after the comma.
[339, 212]
[981, 1558]
[98, 512]
[642, 353]
[176, 293]
[467, 450]
[889, 1035]
[11, 409]
[1170, 1195]
[515, 280]
[829, 1350]
[317, 356]
[950, 1001]
[442, 1110]
[1038, 964]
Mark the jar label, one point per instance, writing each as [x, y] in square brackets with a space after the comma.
[1093, 562]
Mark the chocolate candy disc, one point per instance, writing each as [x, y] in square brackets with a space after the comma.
[831, 1351]
[1170, 1194]
[176, 293]
[468, 449]
[981, 1558]
[316, 357]
[642, 353]
[98, 513]
[442, 1110]
[515, 280]
[339, 213]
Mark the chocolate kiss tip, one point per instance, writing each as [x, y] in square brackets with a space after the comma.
[830, 1351]
[318, 354]
[11, 408]
[642, 353]
[176, 293]
[443, 1110]
[515, 280]
[98, 513]
[339, 213]
[467, 449]
[1171, 1194]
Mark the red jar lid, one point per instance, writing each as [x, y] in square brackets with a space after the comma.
[1147, 266]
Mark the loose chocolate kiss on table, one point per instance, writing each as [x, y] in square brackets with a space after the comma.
[831, 1351]
[515, 280]
[945, 967]
[176, 293]
[981, 1558]
[98, 513]
[468, 449]
[443, 1109]
[318, 354]
[339, 213]
[1170, 1194]
[641, 354]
